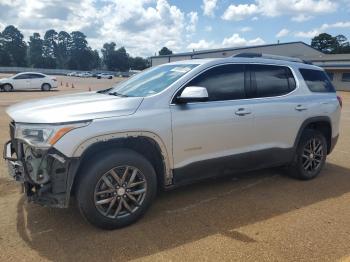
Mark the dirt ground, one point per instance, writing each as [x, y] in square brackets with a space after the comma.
[257, 216]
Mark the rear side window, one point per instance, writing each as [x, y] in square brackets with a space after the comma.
[225, 82]
[317, 81]
[270, 80]
[33, 76]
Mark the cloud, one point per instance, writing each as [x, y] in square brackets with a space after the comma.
[246, 29]
[193, 20]
[322, 29]
[301, 18]
[201, 44]
[284, 32]
[233, 41]
[142, 26]
[209, 7]
[239, 12]
[208, 28]
[273, 8]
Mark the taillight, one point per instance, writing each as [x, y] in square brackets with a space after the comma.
[340, 100]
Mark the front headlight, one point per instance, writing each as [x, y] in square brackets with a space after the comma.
[44, 136]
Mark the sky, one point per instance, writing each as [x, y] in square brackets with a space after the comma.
[144, 26]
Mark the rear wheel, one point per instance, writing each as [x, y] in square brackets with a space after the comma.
[7, 87]
[46, 87]
[310, 156]
[117, 189]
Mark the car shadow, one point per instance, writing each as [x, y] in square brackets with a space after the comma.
[179, 217]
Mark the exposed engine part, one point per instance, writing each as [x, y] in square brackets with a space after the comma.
[37, 165]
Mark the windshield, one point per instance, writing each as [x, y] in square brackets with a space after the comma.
[151, 81]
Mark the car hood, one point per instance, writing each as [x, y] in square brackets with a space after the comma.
[4, 79]
[76, 107]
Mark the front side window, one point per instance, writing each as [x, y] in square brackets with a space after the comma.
[271, 80]
[317, 80]
[152, 81]
[346, 77]
[224, 82]
[23, 76]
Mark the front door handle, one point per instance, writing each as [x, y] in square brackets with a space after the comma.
[242, 112]
[300, 108]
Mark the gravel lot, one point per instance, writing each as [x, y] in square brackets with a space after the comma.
[257, 216]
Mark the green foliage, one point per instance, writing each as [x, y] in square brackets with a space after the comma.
[62, 50]
[165, 51]
[329, 44]
[138, 63]
[36, 50]
[13, 47]
[118, 60]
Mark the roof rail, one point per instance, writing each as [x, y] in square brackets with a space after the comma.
[269, 56]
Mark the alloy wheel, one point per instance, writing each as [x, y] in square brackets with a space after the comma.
[120, 192]
[313, 154]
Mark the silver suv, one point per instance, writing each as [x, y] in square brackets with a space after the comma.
[168, 126]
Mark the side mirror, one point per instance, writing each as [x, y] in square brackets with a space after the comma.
[193, 94]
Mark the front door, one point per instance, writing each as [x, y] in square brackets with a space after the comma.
[22, 81]
[216, 135]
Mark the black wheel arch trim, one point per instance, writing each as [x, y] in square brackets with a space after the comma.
[312, 120]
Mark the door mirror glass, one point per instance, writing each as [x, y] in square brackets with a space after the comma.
[193, 94]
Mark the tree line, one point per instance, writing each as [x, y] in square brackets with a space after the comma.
[63, 50]
[329, 44]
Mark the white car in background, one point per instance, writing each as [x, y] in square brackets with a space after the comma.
[104, 75]
[28, 80]
[85, 74]
[72, 74]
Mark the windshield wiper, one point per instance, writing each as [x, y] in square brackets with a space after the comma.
[117, 94]
[104, 91]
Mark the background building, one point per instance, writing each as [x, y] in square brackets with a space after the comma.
[336, 65]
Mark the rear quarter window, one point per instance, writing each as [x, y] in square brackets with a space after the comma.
[317, 81]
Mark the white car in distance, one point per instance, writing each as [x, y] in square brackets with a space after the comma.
[28, 80]
[105, 76]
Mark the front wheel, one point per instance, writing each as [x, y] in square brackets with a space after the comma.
[116, 189]
[310, 157]
[7, 88]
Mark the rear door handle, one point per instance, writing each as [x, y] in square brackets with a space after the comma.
[242, 112]
[300, 108]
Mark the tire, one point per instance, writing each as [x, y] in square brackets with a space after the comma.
[110, 77]
[7, 88]
[308, 162]
[120, 210]
[46, 87]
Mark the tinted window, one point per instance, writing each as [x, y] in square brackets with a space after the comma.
[33, 76]
[330, 75]
[346, 77]
[222, 82]
[24, 76]
[271, 80]
[317, 81]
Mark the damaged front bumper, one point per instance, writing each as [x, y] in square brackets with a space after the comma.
[46, 175]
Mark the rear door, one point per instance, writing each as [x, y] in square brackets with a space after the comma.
[279, 112]
[22, 81]
[36, 80]
[209, 137]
